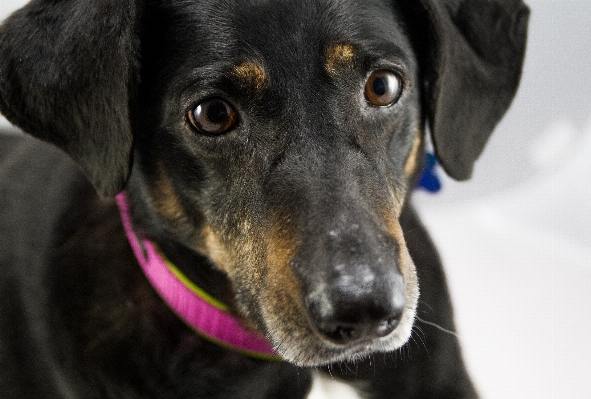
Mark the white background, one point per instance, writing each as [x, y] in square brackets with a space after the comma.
[516, 239]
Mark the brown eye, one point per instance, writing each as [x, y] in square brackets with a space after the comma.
[213, 116]
[383, 88]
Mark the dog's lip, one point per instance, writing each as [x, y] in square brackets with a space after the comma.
[325, 352]
[334, 354]
[362, 342]
[352, 352]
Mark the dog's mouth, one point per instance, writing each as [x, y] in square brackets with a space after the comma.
[309, 348]
[302, 336]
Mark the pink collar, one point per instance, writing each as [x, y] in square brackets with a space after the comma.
[205, 314]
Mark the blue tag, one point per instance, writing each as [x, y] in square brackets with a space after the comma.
[429, 180]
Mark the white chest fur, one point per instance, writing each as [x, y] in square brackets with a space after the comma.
[324, 387]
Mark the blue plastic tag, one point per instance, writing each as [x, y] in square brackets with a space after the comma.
[429, 180]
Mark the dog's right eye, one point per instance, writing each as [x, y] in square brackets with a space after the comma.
[213, 116]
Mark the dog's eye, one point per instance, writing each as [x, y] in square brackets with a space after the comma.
[383, 88]
[213, 116]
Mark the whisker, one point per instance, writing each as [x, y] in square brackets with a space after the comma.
[420, 335]
[438, 327]
[329, 368]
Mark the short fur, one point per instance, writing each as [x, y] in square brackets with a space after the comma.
[298, 218]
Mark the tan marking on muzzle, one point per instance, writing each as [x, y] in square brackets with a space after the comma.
[282, 291]
[216, 250]
[259, 259]
[405, 263]
[408, 270]
[338, 57]
[281, 247]
[395, 204]
[235, 254]
[251, 75]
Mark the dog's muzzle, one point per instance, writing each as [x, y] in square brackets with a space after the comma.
[354, 289]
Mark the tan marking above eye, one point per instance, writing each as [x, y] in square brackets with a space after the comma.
[339, 56]
[250, 75]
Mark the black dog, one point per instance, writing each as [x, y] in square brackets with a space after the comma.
[267, 149]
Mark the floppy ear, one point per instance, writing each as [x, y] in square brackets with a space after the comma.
[472, 65]
[68, 71]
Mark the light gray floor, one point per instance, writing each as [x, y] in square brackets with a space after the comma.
[516, 239]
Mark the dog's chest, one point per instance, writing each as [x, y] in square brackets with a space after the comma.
[324, 387]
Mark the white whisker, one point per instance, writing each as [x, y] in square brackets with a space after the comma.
[438, 327]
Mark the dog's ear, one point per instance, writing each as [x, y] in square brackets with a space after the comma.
[471, 54]
[68, 71]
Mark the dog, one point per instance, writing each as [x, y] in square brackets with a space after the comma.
[246, 161]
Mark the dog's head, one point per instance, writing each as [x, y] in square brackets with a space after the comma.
[277, 138]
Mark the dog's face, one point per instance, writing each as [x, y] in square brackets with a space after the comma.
[277, 138]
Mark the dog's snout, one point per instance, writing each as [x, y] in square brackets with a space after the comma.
[360, 293]
[353, 308]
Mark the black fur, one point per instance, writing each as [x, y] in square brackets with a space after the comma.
[307, 191]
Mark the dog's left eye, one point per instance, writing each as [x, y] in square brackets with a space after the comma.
[213, 116]
[383, 88]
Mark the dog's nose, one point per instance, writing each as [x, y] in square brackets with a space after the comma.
[361, 307]
[353, 288]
